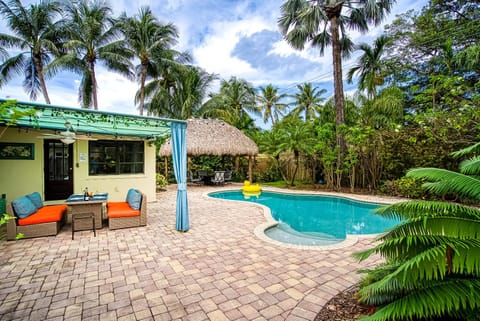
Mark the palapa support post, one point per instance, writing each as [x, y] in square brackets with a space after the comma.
[165, 169]
[250, 168]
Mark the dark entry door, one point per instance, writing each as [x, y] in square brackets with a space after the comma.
[58, 170]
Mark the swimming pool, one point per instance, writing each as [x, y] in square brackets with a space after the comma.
[314, 219]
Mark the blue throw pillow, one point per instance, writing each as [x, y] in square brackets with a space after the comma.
[129, 194]
[134, 199]
[36, 199]
[23, 207]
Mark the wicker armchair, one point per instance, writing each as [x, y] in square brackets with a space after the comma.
[121, 215]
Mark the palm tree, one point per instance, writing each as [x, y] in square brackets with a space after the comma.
[385, 111]
[233, 103]
[297, 137]
[432, 269]
[35, 35]
[370, 67]
[92, 36]
[146, 37]
[308, 100]
[269, 102]
[269, 143]
[376, 117]
[184, 99]
[469, 58]
[324, 23]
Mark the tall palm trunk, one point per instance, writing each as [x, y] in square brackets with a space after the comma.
[143, 78]
[37, 60]
[271, 115]
[94, 85]
[297, 162]
[338, 94]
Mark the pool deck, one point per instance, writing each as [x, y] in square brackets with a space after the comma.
[219, 270]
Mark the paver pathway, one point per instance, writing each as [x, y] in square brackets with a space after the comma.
[218, 270]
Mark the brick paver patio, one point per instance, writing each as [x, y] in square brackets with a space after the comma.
[218, 270]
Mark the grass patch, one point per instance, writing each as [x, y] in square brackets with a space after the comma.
[275, 184]
[298, 185]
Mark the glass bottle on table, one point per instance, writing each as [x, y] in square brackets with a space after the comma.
[86, 197]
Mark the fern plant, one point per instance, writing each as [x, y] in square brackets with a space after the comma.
[432, 259]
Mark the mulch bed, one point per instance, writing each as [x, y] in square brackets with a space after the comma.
[343, 307]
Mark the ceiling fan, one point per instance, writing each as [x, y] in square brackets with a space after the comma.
[67, 136]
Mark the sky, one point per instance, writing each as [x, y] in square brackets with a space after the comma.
[229, 38]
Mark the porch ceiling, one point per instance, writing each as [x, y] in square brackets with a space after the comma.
[88, 121]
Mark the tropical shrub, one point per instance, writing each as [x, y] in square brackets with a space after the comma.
[404, 187]
[271, 174]
[3, 220]
[161, 181]
[432, 259]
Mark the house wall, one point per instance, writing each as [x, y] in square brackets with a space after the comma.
[20, 177]
[115, 185]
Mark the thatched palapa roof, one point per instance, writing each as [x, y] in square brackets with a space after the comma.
[213, 137]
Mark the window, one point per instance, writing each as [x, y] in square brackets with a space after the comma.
[108, 157]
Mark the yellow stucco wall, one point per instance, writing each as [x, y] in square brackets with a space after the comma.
[17, 176]
[115, 185]
[20, 177]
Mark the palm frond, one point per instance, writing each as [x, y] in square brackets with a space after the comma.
[428, 260]
[467, 150]
[10, 41]
[31, 82]
[13, 66]
[446, 181]
[470, 166]
[453, 297]
[444, 226]
[415, 209]
[68, 62]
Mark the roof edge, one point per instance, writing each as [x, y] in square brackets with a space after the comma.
[100, 112]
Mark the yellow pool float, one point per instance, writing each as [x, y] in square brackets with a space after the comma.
[251, 188]
[247, 195]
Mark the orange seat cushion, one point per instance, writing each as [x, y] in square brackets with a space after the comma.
[120, 209]
[46, 214]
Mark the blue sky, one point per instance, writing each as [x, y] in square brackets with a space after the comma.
[225, 37]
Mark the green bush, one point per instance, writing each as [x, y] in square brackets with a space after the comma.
[3, 220]
[161, 181]
[270, 175]
[404, 187]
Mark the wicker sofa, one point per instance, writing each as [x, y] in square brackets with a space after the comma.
[131, 213]
[44, 220]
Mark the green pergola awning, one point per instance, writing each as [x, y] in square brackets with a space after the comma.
[88, 121]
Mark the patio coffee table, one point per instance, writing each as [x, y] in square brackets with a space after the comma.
[95, 205]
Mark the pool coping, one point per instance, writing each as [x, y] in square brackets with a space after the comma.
[351, 239]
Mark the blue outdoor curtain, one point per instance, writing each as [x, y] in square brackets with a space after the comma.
[179, 154]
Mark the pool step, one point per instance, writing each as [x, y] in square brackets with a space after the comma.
[284, 233]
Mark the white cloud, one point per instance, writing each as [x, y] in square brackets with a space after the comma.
[215, 54]
[116, 93]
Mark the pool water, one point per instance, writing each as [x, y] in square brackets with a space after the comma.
[314, 219]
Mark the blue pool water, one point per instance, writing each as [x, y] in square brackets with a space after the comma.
[314, 219]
